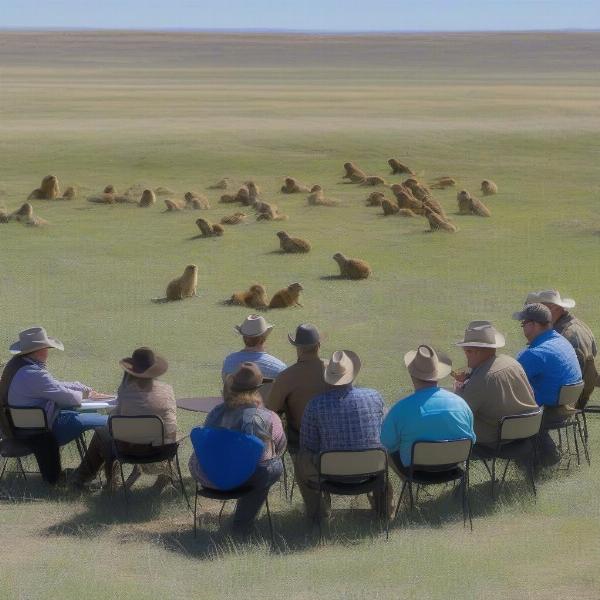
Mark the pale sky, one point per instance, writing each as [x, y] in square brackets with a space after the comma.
[305, 15]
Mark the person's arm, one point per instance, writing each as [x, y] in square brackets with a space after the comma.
[276, 399]
[309, 430]
[531, 363]
[277, 435]
[473, 392]
[45, 387]
[390, 432]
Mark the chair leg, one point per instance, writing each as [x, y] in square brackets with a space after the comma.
[576, 443]
[270, 523]
[319, 515]
[21, 469]
[196, 511]
[410, 495]
[292, 487]
[583, 437]
[503, 476]
[494, 478]
[221, 511]
[183, 490]
[125, 491]
[285, 477]
[531, 471]
[385, 508]
[468, 496]
[400, 499]
[585, 429]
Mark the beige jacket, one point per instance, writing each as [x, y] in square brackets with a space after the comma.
[496, 389]
[159, 401]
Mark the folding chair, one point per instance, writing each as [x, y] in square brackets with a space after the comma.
[569, 396]
[140, 440]
[517, 440]
[17, 449]
[353, 473]
[228, 458]
[31, 420]
[433, 463]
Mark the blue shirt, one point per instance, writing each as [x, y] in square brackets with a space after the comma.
[343, 418]
[430, 414]
[549, 362]
[269, 365]
[33, 385]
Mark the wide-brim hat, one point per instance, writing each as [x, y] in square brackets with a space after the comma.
[306, 335]
[537, 312]
[144, 363]
[32, 339]
[247, 378]
[482, 334]
[253, 326]
[342, 368]
[426, 364]
[550, 297]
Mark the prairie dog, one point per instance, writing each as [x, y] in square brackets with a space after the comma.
[398, 168]
[372, 180]
[48, 190]
[207, 229]
[353, 173]
[234, 219]
[441, 183]
[352, 268]
[292, 245]
[184, 286]
[289, 296]
[254, 297]
[148, 199]
[488, 187]
[389, 208]
[172, 205]
[196, 201]
[438, 223]
[222, 184]
[292, 186]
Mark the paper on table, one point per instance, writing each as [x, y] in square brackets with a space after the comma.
[96, 404]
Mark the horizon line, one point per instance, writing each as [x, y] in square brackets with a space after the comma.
[284, 31]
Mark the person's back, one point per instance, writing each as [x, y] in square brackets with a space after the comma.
[429, 414]
[344, 418]
[550, 363]
[150, 397]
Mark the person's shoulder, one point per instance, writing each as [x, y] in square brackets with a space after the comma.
[504, 362]
[367, 393]
[162, 386]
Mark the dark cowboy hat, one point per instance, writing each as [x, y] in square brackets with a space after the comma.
[144, 363]
[306, 335]
[247, 378]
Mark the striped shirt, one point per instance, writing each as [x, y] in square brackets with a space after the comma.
[344, 418]
[269, 365]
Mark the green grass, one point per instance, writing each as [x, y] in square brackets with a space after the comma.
[182, 111]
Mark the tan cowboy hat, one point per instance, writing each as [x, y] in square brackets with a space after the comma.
[342, 368]
[426, 364]
[144, 363]
[549, 297]
[482, 334]
[253, 326]
[32, 339]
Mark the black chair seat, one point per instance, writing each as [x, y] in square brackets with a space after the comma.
[224, 495]
[345, 487]
[511, 451]
[145, 454]
[433, 477]
[14, 448]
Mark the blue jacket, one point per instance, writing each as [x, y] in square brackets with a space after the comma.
[549, 362]
[428, 415]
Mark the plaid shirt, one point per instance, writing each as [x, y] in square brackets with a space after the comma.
[344, 418]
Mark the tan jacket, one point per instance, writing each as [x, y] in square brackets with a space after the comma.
[497, 388]
[294, 388]
[159, 401]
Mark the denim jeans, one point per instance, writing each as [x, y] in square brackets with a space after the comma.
[248, 506]
[69, 425]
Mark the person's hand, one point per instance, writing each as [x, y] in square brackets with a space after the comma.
[94, 395]
[459, 376]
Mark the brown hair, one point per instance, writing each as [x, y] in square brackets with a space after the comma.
[256, 340]
[234, 399]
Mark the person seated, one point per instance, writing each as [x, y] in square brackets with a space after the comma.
[342, 418]
[140, 393]
[549, 362]
[254, 331]
[430, 414]
[576, 332]
[495, 385]
[243, 410]
[26, 382]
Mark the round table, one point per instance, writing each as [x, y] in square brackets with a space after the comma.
[201, 405]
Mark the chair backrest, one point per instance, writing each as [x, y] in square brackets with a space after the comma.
[227, 457]
[518, 427]
[142, 429]
[569, 394]
[589, 372]
[28, 417]
[442, 452]
[353, 462]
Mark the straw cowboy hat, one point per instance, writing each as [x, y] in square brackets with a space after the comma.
[32, 339]
[253, 326]
[549, 297]
[426, 364]
[144, 363]
[482, 334]
[342, 368]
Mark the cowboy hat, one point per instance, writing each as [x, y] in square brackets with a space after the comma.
[342, 368]
[426, 364]
[534, 312]
[482, 334]
[253, 326]
[550, 297]
[248, 377]
[32, 339]
[306, 335]
[144, 363]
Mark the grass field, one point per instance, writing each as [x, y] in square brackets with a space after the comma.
[184, 110]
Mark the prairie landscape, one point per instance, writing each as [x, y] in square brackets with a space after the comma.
[184, 110]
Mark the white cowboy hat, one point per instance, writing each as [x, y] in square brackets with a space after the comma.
[482, 334]
[426, 364]
[550, 297]
[342, 368]
[32, 339]
[253, 326]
